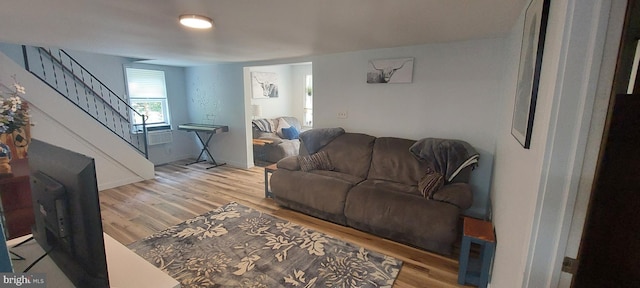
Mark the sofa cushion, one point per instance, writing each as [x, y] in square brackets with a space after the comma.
[293, 122]
[289, 163]
[402, 217]
[350, 153]
[281, 124]
[458, 194]
[384, 185]
[339, 175]
[392, 161]
[323, 196]
[315, 161]
[274, 153]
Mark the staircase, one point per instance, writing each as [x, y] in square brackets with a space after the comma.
[59, 121]
[70, 79]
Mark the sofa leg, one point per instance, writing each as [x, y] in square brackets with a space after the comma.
[267, 172]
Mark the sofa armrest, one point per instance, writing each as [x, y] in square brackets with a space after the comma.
[458, 194]
[289, 163]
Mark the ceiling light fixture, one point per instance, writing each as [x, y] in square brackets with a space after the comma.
[196, 21]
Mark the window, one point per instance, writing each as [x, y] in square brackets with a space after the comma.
[148, 95]
[308, 102]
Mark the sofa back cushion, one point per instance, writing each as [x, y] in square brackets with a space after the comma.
[351, 153]
[392, 161]
[292, 121]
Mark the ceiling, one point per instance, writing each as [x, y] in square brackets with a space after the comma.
[249, 30]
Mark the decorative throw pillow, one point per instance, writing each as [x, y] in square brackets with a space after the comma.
[317, 161]
[431, 182]
[282, 124]
[290, 133]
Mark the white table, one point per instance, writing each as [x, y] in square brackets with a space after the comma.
[125, 267]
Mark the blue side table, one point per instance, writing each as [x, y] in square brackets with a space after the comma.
[475, 271]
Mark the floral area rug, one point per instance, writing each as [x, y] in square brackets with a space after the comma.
[236, 246]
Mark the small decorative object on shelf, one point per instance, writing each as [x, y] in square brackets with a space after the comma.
[15, 134]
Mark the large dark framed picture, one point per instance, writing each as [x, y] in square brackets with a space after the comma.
[535, 26]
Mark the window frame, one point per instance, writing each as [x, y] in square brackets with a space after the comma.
[307, 103]
[163, 99]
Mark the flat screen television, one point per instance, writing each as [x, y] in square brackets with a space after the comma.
[67, 212]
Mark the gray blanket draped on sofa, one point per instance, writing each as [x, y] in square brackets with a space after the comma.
[449, 157]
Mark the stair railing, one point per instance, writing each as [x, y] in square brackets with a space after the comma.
[69, 78]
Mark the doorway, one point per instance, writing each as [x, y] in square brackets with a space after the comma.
[289, 96]
[610, 246]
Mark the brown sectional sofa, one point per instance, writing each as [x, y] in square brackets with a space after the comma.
[373, 187]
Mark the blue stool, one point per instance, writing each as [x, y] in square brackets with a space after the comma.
[476, 271]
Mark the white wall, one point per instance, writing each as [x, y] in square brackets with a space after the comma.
[455, 94]
[516, 178]
[215, 95]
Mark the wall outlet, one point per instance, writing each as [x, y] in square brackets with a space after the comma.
[343, 115]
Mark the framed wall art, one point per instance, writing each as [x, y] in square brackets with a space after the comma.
[535, 26]
[390, 71]
[264, 85]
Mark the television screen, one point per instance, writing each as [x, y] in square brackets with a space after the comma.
[67, 212]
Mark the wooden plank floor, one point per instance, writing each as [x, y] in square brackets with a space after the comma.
[178, 192]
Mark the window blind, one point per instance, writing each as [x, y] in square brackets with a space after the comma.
[143, 83]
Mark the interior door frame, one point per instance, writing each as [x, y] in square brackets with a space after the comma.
[627, 40]
[595, 134]
[583, 25]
